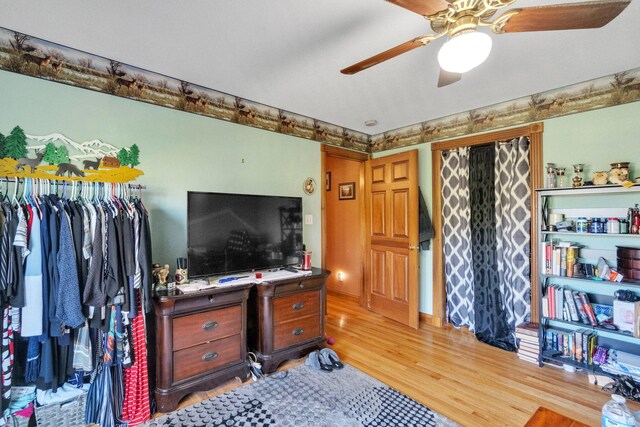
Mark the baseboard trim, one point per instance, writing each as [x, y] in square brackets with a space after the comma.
[430, 320]
[354, 298]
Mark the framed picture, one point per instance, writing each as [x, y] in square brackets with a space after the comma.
[327, 181]
[347, 191]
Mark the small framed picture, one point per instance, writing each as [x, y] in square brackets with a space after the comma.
[327, 181]
[347, 191]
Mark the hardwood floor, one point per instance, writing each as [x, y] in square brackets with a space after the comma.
[451, 372]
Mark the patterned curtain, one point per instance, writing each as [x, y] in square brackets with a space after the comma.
[456, 234]
[513, 225]
[490, 314]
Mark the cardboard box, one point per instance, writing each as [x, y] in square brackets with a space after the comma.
[625, 315]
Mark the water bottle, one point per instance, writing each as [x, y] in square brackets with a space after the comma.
[616, 414]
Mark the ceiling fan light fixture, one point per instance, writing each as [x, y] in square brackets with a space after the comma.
[464, 51]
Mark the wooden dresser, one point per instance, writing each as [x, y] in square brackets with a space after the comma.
[286, 318]
[200, 341]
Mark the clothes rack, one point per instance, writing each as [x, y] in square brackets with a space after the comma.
[75, 288]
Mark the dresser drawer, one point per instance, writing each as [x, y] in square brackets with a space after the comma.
[295, 306]
[301, 285]
[206, 357]
[207, 326]
[206, 300]
[296, 331]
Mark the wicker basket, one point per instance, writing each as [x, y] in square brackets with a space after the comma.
[69, 413]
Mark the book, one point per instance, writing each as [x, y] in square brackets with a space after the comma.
[578, 344]
[588, 309]
[592, 348]
[551, 292]
[527, 339]
[548, 257]
[556, 261]
[581, 310]
[563, 261]
[528, 328]
[559, 302]
[571, 259]
[529, 349]
[545, 306]
[573, 308]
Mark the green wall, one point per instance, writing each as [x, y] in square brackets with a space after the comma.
[179, 152]
[183, 151]
[595, 138]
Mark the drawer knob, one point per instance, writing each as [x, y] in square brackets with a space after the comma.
[298, 331]
[212, 299]
[212, 355]
[301, 285]
[210, 325]
[298, 306]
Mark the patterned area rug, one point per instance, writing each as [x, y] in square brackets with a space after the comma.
[307, 397]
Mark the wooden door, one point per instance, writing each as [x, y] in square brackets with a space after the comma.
[391, 262]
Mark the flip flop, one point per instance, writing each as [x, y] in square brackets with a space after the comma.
[331, 358]
[325, 365]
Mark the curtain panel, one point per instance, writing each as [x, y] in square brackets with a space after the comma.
[513, 227]
[456, 233]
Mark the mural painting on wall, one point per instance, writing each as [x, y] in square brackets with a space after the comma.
[58, 157]
[617, 89]
[21, 53]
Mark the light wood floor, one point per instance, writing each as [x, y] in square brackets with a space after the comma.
[451, 372]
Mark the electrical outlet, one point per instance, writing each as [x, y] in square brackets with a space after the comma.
[308, 219]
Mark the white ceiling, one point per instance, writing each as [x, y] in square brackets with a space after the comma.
[288, 53]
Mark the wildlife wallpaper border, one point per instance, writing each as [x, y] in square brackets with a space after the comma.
[28, 55]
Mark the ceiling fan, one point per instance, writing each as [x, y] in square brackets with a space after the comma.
[468, 48]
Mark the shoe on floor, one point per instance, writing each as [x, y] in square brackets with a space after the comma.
[331, 358]
[312, 360]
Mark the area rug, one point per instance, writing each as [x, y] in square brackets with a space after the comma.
[308, 397]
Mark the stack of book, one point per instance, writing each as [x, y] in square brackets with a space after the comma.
[527, 338]
[578, 345]
[559, 258]
[569, 305]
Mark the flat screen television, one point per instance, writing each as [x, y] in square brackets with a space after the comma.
[230, 233]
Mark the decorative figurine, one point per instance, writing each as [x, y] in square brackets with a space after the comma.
[551, 175]
[163, 273]
[155, 269]
[600, 178]
[560, 173]
[576, 181]
[619, 172]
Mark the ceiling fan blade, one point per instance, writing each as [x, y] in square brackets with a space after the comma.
[447, 77]
[387, 54]
[571, 16]
[422, 7]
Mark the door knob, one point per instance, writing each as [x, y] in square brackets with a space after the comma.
[413, 248]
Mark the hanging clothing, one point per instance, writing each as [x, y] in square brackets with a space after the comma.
[69, 270]
[32, 312]
[137, 407]
[68, 309]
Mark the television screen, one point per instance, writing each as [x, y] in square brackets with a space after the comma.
[230, 233]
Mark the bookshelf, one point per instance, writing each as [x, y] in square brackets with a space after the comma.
[557, 321]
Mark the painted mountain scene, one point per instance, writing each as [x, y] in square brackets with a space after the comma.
[59, 158]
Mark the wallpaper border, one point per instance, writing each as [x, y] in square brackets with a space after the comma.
[24, 54]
